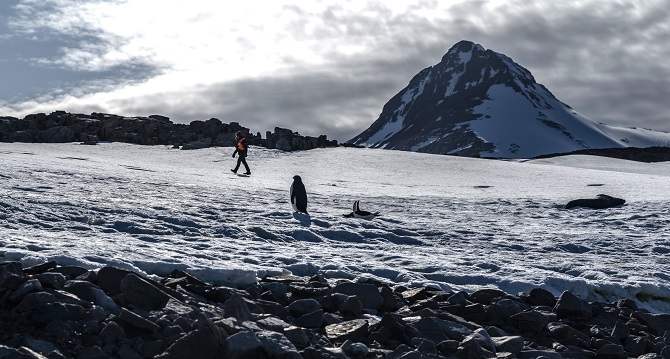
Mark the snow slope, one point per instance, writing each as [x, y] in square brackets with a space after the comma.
[453, 222]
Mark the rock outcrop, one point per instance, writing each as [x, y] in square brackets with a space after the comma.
[60, 127]
[645, 154]
[601, 201]
[53, 311]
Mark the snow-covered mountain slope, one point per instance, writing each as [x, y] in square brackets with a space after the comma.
[447, 221]
[480, 103]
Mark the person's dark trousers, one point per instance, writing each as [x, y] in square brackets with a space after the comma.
[243, 160]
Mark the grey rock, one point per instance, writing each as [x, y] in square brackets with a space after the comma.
[347, 330]
[109, 279]
[52, 280]
[541, 297]
[10, 268]
[242, 345]
[310, 320]
[635, 345]
[50, 312]
[82, 289]
[539, 354]
[600, 202]
[530, 321]
[658, 323]
[562, 332]
[613, 351]
[476, 346]
[620, 331]
[112, 332]
[303, 306]
[40, 346]
[297, 335]
[143, 294]
[351, 306]
[236, 307]
[126, 352]
[137, 320]
[572, 307]
[31, 285]
[59, 134]
[32, 301]
[357, 350]
[202, 343]
[272, 323]
[93, 352]
[283, 144]
[277, 345]
[486, 296]
[511, 344]
[368, 294]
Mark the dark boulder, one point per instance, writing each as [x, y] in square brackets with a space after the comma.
[600, 202]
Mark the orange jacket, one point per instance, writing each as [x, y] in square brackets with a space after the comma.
[242, 144]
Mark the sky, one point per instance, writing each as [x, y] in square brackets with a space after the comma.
[320, 66]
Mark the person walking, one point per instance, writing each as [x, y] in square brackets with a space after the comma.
[241, 150]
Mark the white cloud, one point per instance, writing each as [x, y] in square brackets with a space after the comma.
[194, 52]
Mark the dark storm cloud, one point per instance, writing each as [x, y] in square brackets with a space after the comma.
[607, 60]
[311, 103]
[38, 62]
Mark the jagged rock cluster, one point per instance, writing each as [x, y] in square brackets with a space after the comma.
[287, 140]
[60, 127]
[52, 311]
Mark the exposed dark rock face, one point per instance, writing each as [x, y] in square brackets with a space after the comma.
[60, 127]
[55, 312]
[647, 154]
[600, 202]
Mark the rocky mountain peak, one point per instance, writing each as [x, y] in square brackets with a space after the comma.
[477, 102]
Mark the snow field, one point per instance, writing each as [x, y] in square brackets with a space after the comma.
[457, 223]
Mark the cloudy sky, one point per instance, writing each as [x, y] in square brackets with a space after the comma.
[320, 66]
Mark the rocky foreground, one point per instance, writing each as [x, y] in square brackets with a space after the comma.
[52, 311]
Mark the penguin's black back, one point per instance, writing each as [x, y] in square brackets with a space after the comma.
[299, 194]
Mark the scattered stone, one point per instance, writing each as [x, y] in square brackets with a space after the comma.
[368, 294]
[351, 329]
[541, 297]
[113, 313]
[143, 294]
[572, 307]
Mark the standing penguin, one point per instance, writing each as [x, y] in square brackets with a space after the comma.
[298, 195]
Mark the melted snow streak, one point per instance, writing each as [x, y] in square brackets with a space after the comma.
[140, 216]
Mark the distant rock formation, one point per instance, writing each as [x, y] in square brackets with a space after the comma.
[61, 127]
[287, 140]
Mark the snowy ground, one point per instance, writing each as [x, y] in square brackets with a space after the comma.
[459, 223]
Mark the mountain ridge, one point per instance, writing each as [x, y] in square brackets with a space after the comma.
[480, 103]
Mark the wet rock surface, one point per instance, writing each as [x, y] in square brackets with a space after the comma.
[53, 311]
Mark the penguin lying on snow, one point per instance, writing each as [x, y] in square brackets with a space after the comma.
[357, 213]
[298, 195]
